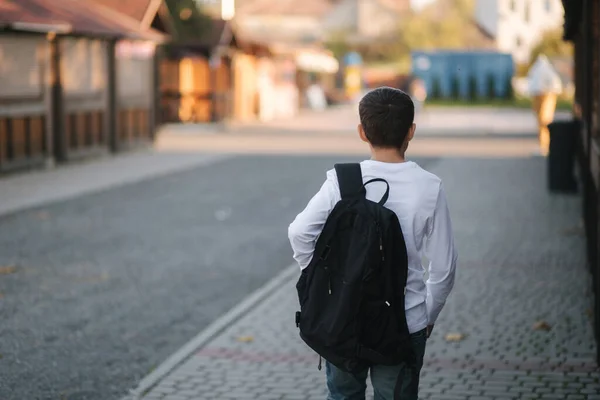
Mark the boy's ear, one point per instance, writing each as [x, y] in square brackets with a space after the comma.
[411, 132]
[362, 134]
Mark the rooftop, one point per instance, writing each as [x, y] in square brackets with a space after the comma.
[71, 17]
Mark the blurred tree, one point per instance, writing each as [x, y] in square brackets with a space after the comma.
[188, 21]
[521, 69]
[552, 45]
[444, 24]
[337, 43]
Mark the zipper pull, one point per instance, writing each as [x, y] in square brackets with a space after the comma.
[381, 248]
[328, 279]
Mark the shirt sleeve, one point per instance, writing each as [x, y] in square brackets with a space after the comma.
[306, 228]
[442, 256]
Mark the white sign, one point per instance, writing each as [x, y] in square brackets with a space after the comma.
[543, 78]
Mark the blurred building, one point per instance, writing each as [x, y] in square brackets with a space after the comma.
[290, 20]
[76, 81]
[293, 32]
[517, 25]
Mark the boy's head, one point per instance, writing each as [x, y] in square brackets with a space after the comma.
[387, 118]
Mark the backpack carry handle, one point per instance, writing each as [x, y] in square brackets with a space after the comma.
[386, 195]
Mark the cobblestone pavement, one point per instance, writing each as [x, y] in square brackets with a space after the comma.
[521, 263]
[108, 283]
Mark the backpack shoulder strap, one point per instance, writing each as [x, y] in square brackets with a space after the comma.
[350, 180]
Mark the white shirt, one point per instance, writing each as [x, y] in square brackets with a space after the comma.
[417, 197]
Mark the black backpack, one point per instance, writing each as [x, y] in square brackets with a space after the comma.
[352, 293]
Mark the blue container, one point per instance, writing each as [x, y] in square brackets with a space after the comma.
[464, 75]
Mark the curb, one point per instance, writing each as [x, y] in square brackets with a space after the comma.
[31, 194]
[210, 332]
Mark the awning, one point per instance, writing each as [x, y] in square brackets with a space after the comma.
[316, 61]
[72, 17]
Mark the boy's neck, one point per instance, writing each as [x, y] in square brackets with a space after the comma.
[387, 155]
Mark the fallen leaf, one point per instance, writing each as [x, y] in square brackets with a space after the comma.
[245, 339]
[541, 326]
[92, 278]
[1, 296]
[43, 215]
[455, 337]
[7, 269]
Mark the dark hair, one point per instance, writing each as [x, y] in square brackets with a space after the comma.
[386, 115]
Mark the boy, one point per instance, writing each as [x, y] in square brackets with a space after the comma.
[417, 197]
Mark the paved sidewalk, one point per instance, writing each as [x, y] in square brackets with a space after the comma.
[521, 263]
[38, 187]
[434, 121]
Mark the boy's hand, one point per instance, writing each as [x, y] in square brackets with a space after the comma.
[429, 329]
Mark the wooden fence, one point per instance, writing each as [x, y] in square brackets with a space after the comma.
[64, 98]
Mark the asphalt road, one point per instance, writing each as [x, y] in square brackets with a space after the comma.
[108, 285]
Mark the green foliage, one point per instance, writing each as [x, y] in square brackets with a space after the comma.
[551, 44]
[521, 69]
[189, 23]
[338, 44]
[562, 104]
[445, 24]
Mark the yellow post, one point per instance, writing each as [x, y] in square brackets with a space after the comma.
[353, 81]
[544, 106]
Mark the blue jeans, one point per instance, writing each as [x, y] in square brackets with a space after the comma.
[346, 386]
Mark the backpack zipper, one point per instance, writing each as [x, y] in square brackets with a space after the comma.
[328, 278]
[380, 241]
